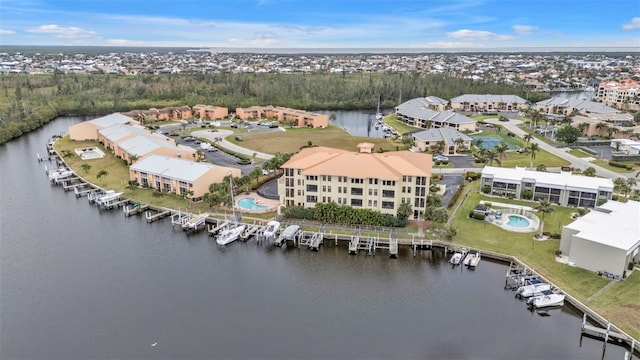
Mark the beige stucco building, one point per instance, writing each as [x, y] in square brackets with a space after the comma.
[88, 130]
[301, 117]
[452, 140]
[420, 113]
[590, 244]
[624, 94]
[210, 112]
[376, 181]
[167, 113]
[482, 102]
[178, 176]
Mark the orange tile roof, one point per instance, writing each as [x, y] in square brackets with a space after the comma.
[337, 162]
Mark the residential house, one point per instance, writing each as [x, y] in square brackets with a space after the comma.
[564, 106]
[417, 113]
[364, 179]
[282, 114]
[210, 112]
[605, 239]
[88, 130]
[562, 188]
[178, 176]
[137, 147]
[481, 102]
[449, 139]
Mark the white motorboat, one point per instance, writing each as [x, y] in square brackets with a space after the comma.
[534, 287]
[230, 234]
[379, 115]
[456, 258]
[58, 174]
[547, 299]
[472, 259]
[272, 229]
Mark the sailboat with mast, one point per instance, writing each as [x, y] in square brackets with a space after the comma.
[234, 230]
[379, 115]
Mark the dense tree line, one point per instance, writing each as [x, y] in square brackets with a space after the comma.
[29, 101]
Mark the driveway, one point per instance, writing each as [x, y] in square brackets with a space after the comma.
[206, 134]
[452, 183]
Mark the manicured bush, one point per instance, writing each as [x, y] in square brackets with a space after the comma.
[472, 175]
[478, 216]
[527, 194]
[621, 165]
[486, 189]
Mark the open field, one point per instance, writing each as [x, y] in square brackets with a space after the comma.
[292, 140]
[621, 307]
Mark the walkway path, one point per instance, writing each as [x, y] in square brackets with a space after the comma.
[222, 134]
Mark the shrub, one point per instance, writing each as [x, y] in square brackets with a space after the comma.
[558, 252]
[630, 266]
[488, 204]
[471, 175]
[486, 189]
[621, 165]
[527, 194]
[555, 236]
[478, 216]
[455, 196]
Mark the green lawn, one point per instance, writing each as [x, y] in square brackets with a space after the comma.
[293, 139]
[401, 127]
[622, 301]
[579, 153]
[605, 164]
[619, 304]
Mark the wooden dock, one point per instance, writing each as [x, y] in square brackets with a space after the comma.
[249, 231]
[607, 334]
[137, 208]
[157, 216]
[220, 224]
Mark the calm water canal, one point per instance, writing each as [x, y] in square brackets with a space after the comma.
[78, 283]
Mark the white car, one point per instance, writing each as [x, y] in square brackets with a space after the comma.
[440, 158]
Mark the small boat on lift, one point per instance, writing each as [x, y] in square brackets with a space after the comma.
[456, 258]
[272, 229]
[547, 299]
[230, 234]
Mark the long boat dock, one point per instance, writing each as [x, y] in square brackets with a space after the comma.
[250, 231]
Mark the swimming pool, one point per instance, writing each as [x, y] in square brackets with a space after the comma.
[518, 221]
[249, 203]
[89, 153]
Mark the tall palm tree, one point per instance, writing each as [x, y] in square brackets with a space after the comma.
[544, 206]
[533, 149]
[583, 126]
[459, 144]
[501, 151]
[491, 156]
[527, 138]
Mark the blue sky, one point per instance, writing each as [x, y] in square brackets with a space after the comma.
[323, 23]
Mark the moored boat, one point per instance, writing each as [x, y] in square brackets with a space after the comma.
[456, 258]
[230, 234]
[533, 287]
[547, 299]
[272, 229]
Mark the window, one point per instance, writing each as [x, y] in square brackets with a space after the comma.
[406, 178]
[373, 181]
[356, 191]
[356, 202]
[388, 193]
[312, 177]
[387, 204]
[312, 199]
[388, 183]
[357, 181]
[312, 188]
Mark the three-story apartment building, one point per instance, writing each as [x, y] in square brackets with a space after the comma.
[376, 181]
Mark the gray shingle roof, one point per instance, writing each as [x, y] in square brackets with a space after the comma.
[418, 109]
[580, 104]
[116, 132]
[449, 135]
[142, 145]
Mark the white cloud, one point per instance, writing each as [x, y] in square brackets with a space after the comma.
[633, 25]
[448, 45]
[62, 32]
[524, 29]
[6, 32]
[477, 35]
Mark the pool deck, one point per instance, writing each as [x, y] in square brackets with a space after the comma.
[259, 200]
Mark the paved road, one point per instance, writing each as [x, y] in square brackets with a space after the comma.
[206, 134]
[576, 162]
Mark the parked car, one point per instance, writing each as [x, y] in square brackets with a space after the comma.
[441, 158]
[239, 138]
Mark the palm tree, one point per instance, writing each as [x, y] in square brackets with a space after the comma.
[492, 155]
[86, 167]
[590, 171]
[478, 143]
[583, 126]
[544, 207]
[459, 143]
[602, 127]
[501, 151]
[612, 130]
[619, 185]
[101, 173]
[630, 183]
[527, 138]
[533, 148]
